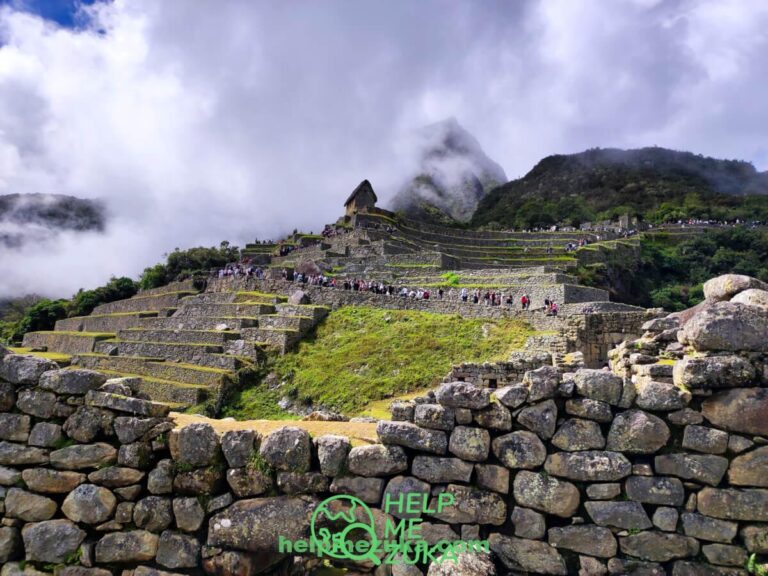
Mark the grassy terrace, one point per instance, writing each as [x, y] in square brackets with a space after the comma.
[361, 355]
[63, 359]
[257, 295]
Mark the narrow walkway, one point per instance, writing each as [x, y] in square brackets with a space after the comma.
[358, 432]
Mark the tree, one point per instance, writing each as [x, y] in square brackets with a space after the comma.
[41, 316]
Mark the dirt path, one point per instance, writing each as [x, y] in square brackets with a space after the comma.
[358, 433]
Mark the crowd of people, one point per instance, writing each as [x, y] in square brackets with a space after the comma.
[573, 246]
[241, 270]
[476, 296]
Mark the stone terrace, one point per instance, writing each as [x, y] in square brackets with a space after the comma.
[188, 354]
[655, 466]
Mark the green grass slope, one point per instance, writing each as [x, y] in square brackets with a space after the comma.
[361, 355]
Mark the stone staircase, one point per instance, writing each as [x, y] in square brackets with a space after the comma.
[191, 348]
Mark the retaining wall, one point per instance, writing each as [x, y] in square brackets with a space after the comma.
[656, 467]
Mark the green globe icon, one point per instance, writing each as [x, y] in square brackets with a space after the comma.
[338, 523]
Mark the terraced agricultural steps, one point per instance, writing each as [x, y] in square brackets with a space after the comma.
[182, 346]
[188, 347]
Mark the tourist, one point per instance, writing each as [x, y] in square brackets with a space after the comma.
[464, 294]
[524, 302]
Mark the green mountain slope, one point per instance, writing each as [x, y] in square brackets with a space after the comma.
[654, 183]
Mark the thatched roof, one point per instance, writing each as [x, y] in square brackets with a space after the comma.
[364, 185]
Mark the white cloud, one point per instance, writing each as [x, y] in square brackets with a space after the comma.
[232, 120]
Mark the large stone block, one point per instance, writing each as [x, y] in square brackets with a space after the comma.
[28, 507]
[469, 443]
[411, 436]
[727, 286]
[15, 427]
[660, 396]
[434, 416]
[10, 544]
[195, 445]
[704, 468]
[705, 439]
[752, 297]
[598, 385]
[547, 494]
[637, 432]
[332, 453]
[463, 395]
[19, 455]
[540, 418]
[496, 417]
[527, 555]
[590, 409]
[734, 504]
[124, 547]
[50, 481]
[713, 372]
[120, 403]
[395, 499]
[237, 446]
[742, 410]
[706, 528]
[472, 506]
[258, 523]
[367, 489]
[586, 539]
[528, 523]
[153, 513]
[542, 383]
[248, 481]
[625, 515]
[465, 564]
[52, 541]
[377, 460]
[288, 448]
[439, 470]
[576, 434]
[729, 327]
[659, 546]
[302, 482]
[71, 381]
[520, 449]
[24, 370]
[82, 456]
[750, 469]
[589, 465]
[175, 550]
[89, 504]
[88, 423]
[657, 490]
[37, 402]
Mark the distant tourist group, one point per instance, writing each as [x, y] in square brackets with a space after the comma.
[476, 296]
[242, 270]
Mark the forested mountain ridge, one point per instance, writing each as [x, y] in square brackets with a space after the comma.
[654, 183]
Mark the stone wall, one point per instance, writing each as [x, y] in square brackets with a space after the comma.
[657, 466]
[585, 328]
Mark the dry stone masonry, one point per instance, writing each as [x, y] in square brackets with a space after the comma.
[658, 465]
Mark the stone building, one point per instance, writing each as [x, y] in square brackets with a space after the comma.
[362, 199]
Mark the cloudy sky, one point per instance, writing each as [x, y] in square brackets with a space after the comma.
[209, 120]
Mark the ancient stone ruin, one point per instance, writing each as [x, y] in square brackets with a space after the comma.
[189, 343]
[655, 465]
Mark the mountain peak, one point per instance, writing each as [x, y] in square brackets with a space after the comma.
[454, 174]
